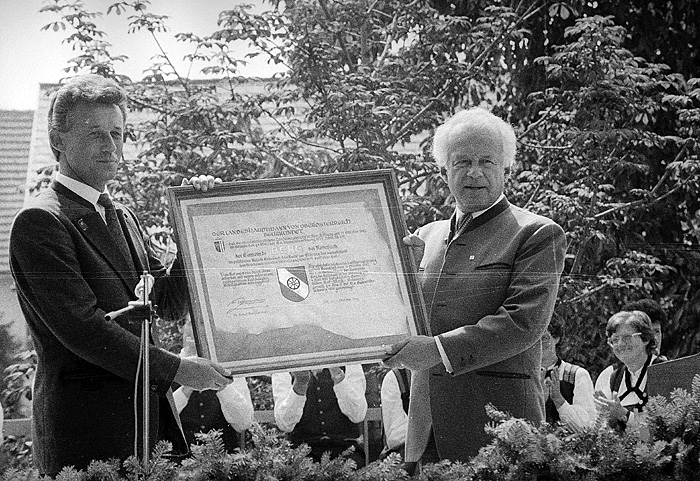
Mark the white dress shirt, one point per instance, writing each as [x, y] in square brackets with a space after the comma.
[350, 392]
[234, 399]
[581, 413]
[84, 191]
[394, 418]
[603, 384]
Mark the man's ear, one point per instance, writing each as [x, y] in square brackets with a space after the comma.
[55, 140]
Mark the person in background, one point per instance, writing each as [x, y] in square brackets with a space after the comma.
[75, 256]
[568, 388]
[395, 396]
[490, 277]
[229, 409]
[620, 390]
[658, 318]
[322, 408]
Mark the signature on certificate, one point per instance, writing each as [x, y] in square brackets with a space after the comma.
[241, 303]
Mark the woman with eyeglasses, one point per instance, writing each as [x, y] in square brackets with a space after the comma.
[620, 390]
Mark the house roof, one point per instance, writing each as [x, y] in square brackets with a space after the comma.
[15, 145]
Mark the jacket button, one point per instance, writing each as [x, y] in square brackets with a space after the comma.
[154, 388]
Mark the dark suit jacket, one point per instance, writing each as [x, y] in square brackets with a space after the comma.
[490, 293]
[69, 273]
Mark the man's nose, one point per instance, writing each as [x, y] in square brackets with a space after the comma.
[108, 144]
[474, 169]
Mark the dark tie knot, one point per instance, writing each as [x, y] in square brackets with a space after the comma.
[463, 220]
[105, 201]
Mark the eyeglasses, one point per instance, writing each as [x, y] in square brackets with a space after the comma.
[615, 339]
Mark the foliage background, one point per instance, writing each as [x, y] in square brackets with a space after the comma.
[604, 96]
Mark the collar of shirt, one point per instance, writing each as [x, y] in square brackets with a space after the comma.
[634, 376]
[556, 363]
[479, 212]
[82, 190]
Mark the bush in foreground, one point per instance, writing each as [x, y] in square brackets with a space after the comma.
[665, 447]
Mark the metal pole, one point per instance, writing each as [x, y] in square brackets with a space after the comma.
[146, 371]
[145, 386]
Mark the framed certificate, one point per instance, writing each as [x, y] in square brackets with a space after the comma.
[299, 272]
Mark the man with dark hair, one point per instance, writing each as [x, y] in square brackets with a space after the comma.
[75, 256]
[658, 318]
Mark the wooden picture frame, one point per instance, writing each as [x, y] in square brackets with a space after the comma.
[299, 272]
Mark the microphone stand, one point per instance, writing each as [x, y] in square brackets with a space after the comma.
[143, 306]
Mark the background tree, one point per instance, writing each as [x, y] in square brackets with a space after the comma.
[607, 137]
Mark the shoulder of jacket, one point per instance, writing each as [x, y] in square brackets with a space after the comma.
[40, 206]
[438, 227]
[531, 217]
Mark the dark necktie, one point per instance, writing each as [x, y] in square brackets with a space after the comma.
[463, 220]
[114, 227]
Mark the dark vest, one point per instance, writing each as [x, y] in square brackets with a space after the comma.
[202, 414]
[566, 388]
[323, 421]
[404, 381]
[620, 371]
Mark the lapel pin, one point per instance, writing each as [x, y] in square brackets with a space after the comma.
[471, 258]
[82, 224]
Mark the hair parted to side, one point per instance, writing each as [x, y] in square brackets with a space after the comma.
[637, 320]
[463, 122]
[83, 88]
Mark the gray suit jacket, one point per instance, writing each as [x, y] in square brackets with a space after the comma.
[69, 273]
[490, 294]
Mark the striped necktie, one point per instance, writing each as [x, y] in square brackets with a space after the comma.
[457, 226]
[114, 227]
[462, 221]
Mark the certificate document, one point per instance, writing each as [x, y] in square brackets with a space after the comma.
[290, 278]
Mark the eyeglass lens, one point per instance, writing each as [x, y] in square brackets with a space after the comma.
[624, 338]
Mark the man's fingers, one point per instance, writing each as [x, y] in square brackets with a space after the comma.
[392, 362]
[413, 240]
[202, 182]
[396, 347]
[220, 369]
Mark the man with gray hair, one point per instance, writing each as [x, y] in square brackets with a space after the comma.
[489, 276]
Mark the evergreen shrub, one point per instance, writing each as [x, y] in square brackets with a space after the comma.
[664, 447]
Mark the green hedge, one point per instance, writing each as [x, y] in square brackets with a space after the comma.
[665, 446]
